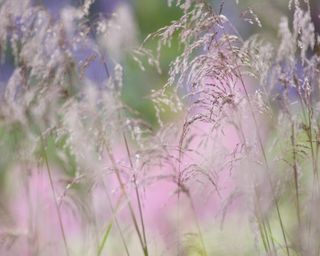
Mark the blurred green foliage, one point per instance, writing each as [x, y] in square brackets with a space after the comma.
[150, 16]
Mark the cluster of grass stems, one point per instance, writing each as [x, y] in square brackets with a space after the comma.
[245, 110]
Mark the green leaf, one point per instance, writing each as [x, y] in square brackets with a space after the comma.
[104, 239]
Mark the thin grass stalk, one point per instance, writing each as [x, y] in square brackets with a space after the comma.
[137, 194]
[308, 124]
[104, 239]
[131, 211]
[32, 238]
[115, 219]
[54, 194]
[239, 75]
[295, 172]
[308, 130]
[142, 240]
[265, 224]
[204, 249]
[261, 146]
[179, 185]
[263, 234]
[178, 215]
[265, 161]
[294, 154]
